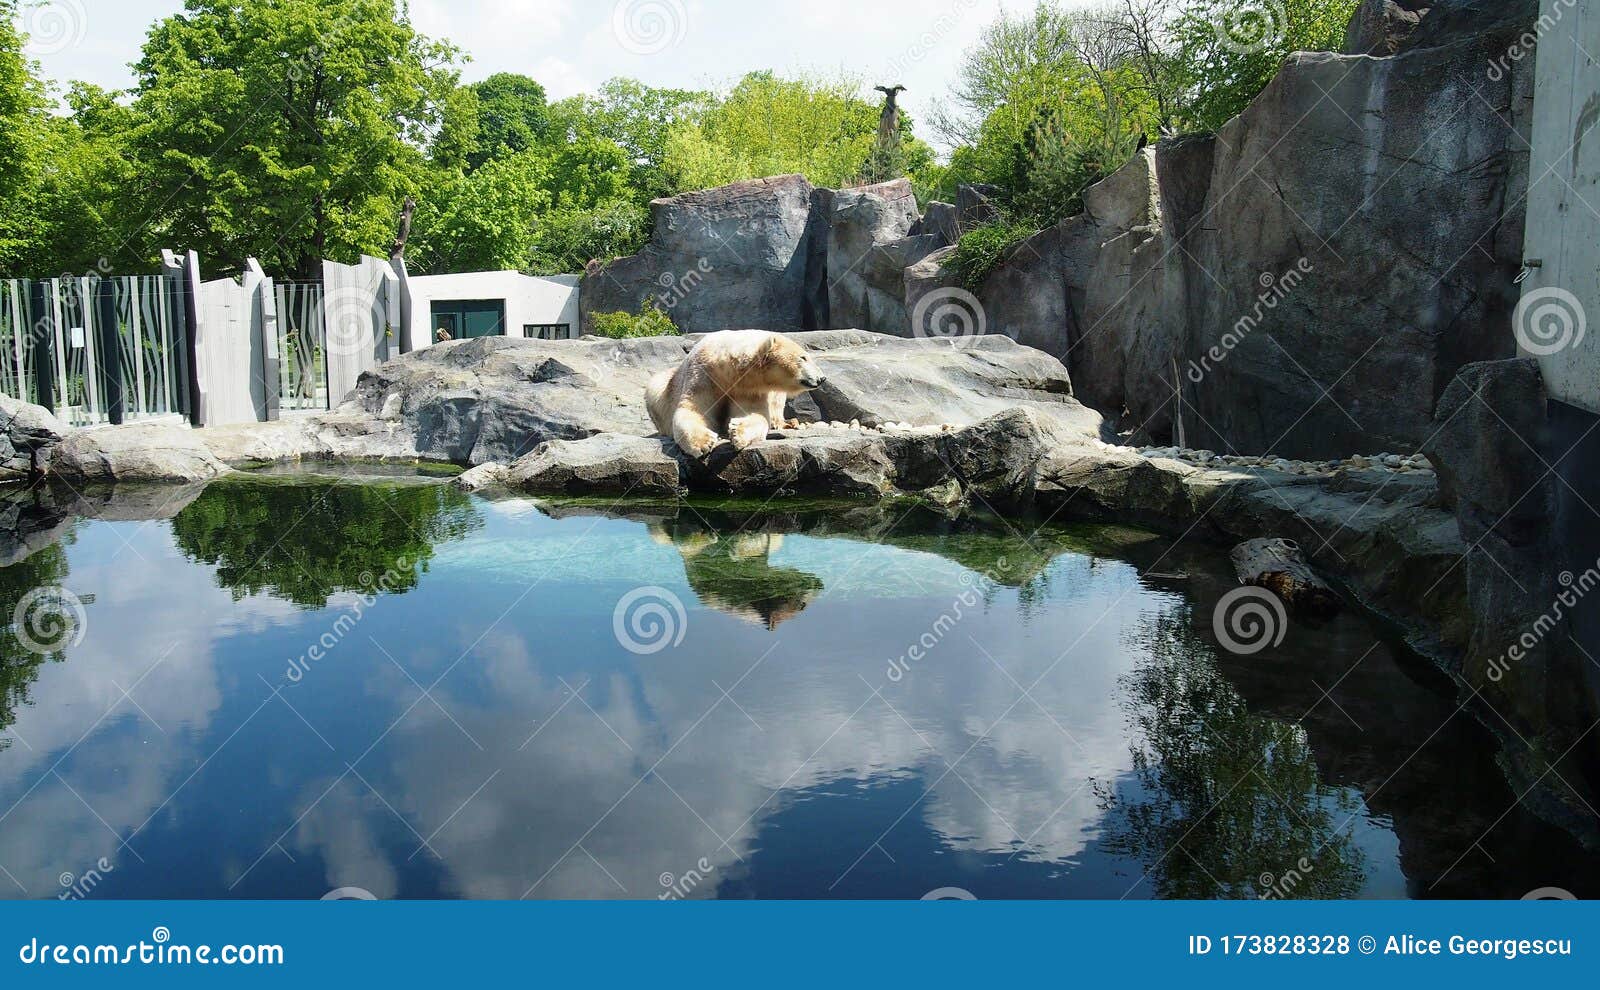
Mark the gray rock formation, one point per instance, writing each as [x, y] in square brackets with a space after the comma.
[27, 433]
[1358, 225]
[992, 460]
[1382, 27]
[719, 259]
[865, 287]
[495, 399]
[134, 453]
[1494, 454]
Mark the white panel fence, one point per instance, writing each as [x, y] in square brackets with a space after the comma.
[235, 350]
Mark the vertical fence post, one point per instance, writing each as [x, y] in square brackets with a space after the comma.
[191, 337]
[264, 321]
[109, 349]
[41, 341]
[173, 285]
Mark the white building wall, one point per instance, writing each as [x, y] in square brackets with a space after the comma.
[1559, 319]
[529, 299]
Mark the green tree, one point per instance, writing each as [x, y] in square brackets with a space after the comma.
[83, 220]
[565, 240]
[766, 125]
[291, 130]
[22, 102]
[1226, 53]
[512, 117]
[485, 220]
[638, 119]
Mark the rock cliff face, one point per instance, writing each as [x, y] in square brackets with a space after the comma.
[720, 259]
[1266, 288]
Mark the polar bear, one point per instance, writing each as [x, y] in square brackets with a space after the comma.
[733, 382]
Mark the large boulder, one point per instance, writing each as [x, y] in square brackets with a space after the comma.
[495, 399]
[27, 434]
[1488, 448]
[992, 460]
[1382, 27]
[134, 453]
[865, 287]
[719, 259]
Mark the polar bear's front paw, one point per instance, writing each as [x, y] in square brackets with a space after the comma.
[748, 432]
[699, 443]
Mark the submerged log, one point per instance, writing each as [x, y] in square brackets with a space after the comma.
[1280, 567]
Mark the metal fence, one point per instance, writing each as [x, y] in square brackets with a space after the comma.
[111, 349]
[302, 346]
[95, 350]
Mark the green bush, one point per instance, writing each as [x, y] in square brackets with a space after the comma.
[982, 248]
[652, 322]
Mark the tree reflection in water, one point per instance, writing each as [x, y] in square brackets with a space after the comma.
[1224, 803]
[304, 542]
[20, 661]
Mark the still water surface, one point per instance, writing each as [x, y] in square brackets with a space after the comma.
[288, 687]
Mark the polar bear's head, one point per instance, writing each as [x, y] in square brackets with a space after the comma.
[785, 366]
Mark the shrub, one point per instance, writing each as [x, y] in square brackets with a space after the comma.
[651, 322]
[982, 248]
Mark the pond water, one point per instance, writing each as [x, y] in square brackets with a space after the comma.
[285, 687]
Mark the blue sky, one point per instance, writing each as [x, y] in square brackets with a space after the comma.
[571, 46]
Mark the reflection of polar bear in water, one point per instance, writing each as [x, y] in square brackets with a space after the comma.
[732, 574]
[732, 383]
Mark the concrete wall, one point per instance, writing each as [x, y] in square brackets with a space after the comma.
[229, 350]
[528, 299]
[1559, 319]
[361, 307]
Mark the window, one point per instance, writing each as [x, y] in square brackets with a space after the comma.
[459, 319]
[547, 331]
